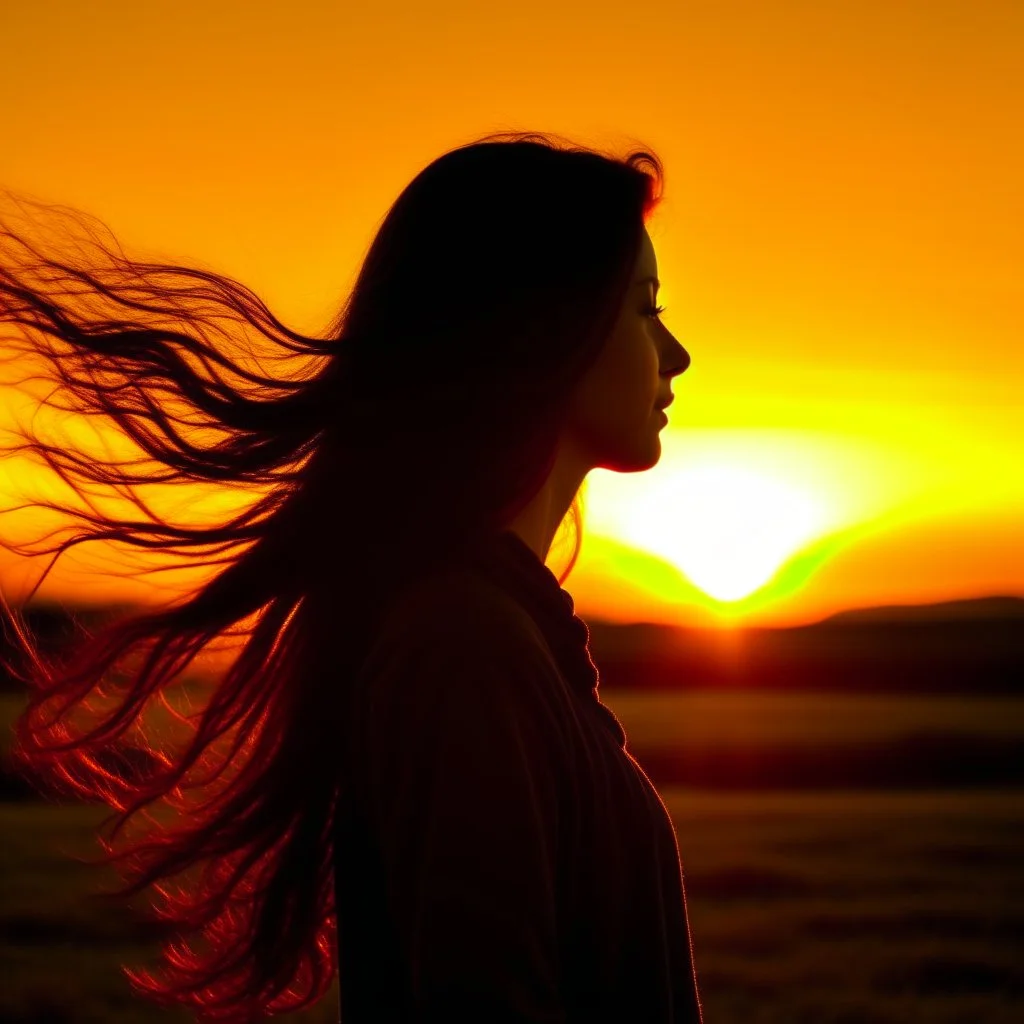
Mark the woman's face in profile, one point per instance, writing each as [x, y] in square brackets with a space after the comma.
[613, 420]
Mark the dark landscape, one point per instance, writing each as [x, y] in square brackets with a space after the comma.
[848, 798]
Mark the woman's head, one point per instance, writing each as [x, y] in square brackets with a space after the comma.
[502, 274]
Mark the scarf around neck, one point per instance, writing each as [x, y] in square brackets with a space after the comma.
[507, 560]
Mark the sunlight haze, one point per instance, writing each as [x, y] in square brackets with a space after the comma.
[841, 246]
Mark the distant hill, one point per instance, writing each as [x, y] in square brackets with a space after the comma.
[971, 609]
[973, 646]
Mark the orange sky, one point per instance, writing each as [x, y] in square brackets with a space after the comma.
[841, 244]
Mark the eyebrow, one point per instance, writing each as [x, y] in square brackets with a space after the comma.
[646, 280]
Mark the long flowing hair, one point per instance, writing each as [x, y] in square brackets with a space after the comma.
[426, 416]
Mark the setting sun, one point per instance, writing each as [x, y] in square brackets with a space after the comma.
[728, 509]
[728, 527]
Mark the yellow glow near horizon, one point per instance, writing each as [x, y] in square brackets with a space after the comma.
[735, 529]
[731, 508]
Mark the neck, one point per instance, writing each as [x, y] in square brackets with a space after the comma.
[537, 523]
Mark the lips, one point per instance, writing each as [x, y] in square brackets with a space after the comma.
[666, 403]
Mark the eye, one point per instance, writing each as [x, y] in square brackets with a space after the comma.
[656, 311]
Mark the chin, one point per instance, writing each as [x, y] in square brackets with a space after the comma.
[636, 459]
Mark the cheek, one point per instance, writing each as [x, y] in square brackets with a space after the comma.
[630, 372]
[635, 382]
[618, 394]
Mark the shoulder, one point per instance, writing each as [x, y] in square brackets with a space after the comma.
[458, 634]
[458, 605]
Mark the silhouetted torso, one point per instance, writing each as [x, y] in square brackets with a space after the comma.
[501, 857]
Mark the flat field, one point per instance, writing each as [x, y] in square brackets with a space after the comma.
[832, 905]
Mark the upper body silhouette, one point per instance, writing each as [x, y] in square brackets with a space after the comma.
[501, 857]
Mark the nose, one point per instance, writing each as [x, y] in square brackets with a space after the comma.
[681, 364]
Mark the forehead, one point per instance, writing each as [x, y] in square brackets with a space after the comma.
[646, 263]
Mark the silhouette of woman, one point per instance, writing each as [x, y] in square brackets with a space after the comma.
[406, 774]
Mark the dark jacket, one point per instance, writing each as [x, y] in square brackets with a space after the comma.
[500, 857]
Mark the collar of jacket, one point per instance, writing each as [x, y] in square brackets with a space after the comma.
[509, 561]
